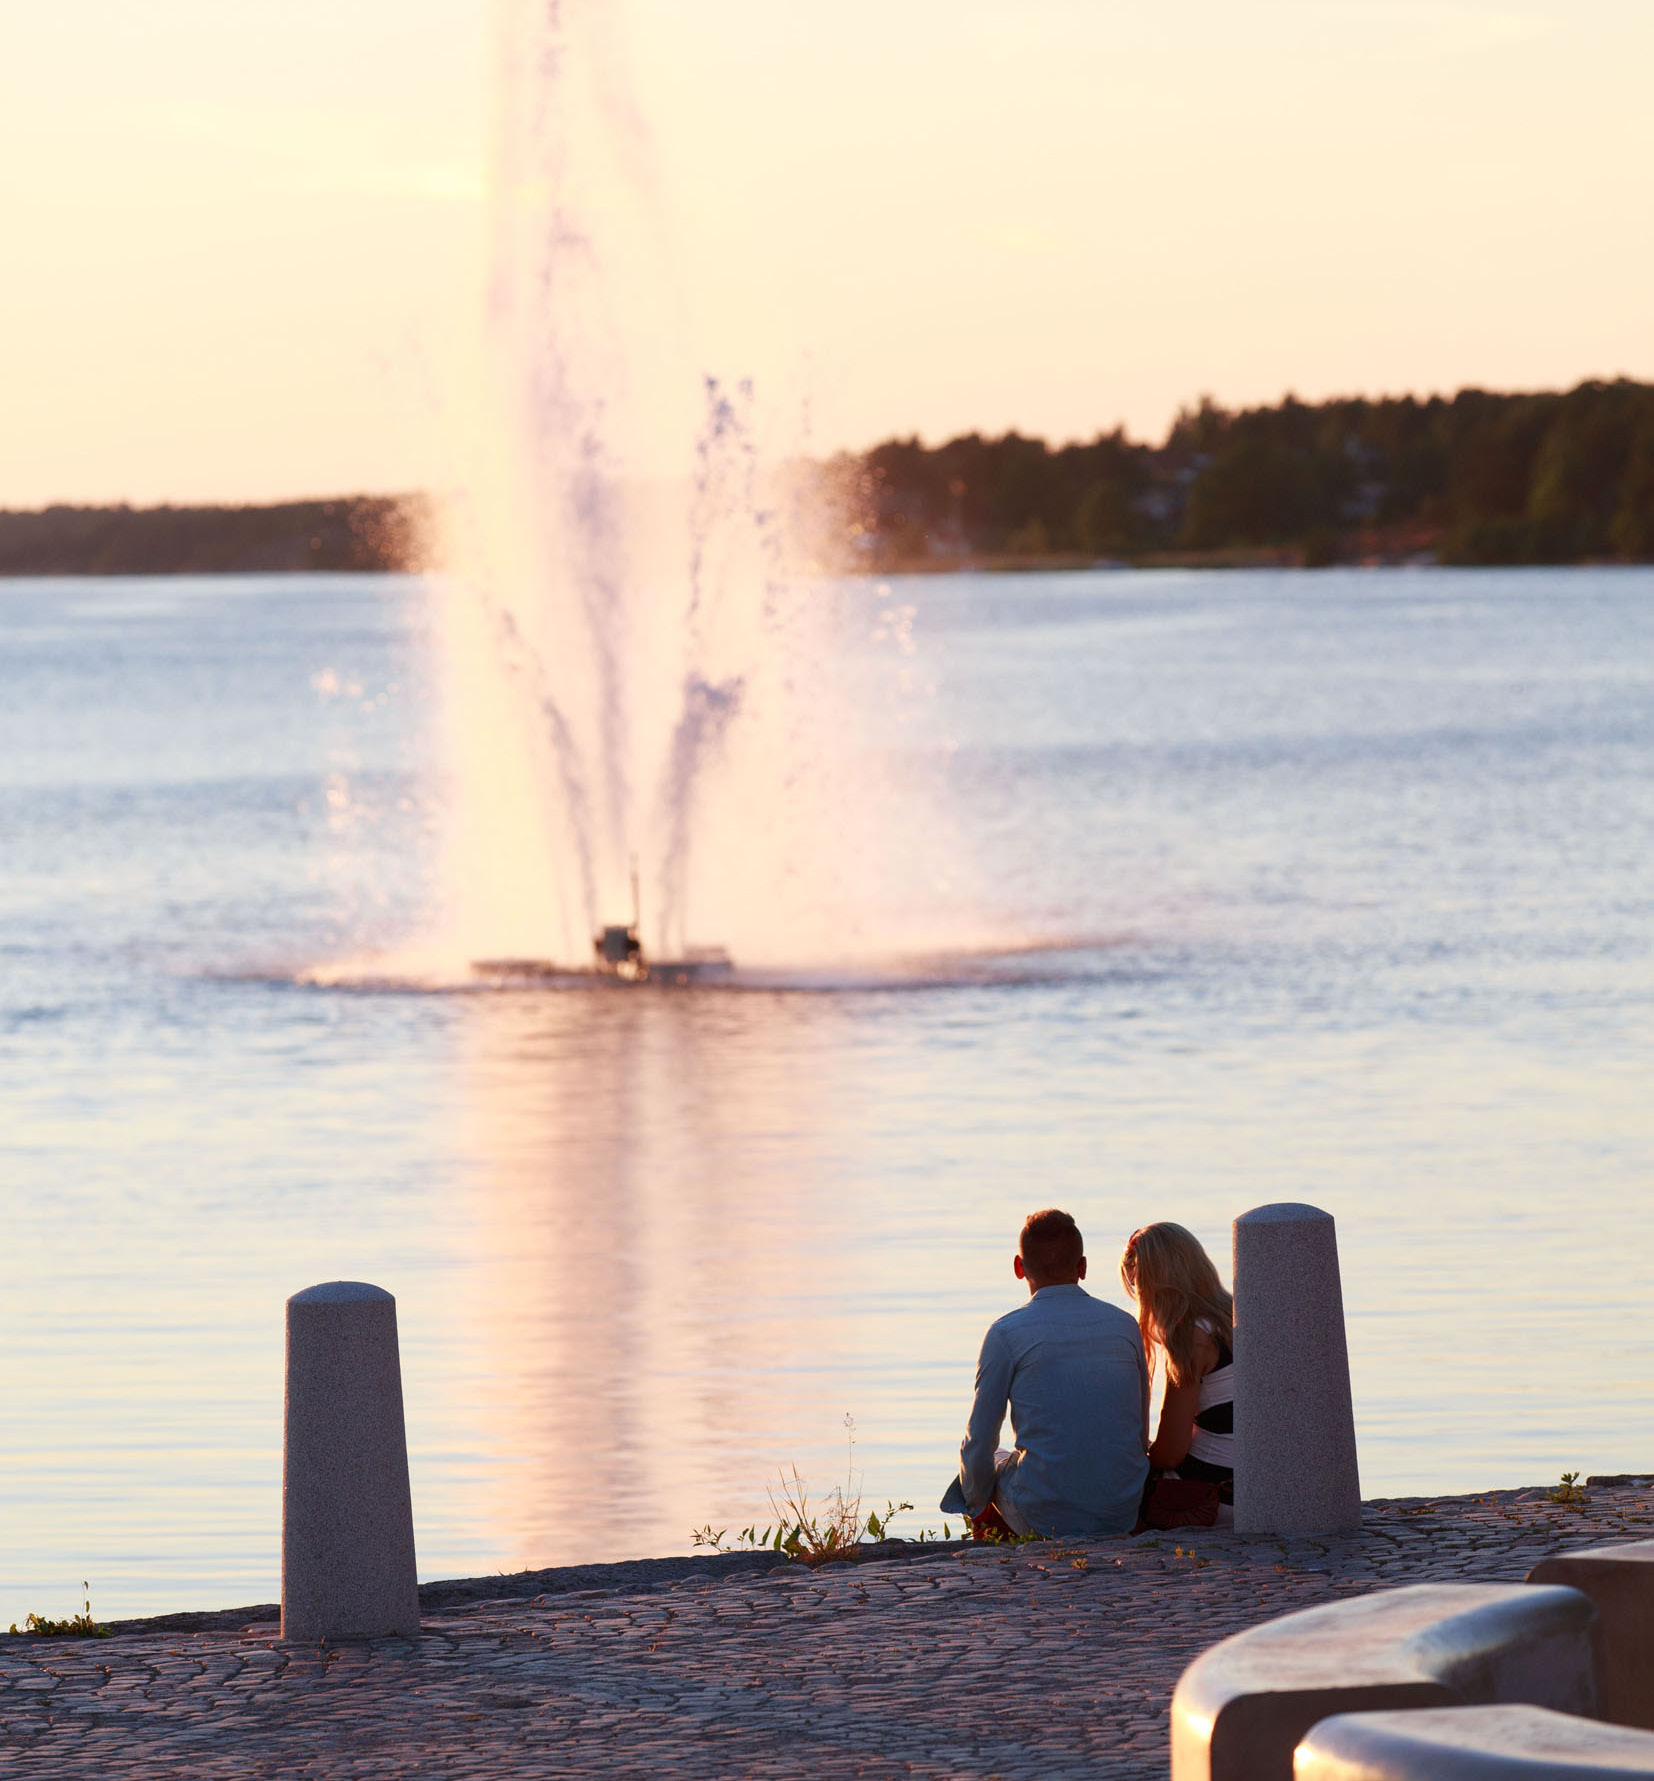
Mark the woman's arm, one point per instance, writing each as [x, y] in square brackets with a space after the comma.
[1177, 1411]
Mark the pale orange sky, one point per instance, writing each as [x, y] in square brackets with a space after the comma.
[241, 242]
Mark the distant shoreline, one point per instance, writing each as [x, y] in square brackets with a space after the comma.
[361, 534]
[379, 535]
[1070, 562]
[1478, 479]
[376, 535]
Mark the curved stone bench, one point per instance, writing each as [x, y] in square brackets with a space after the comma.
[1473, 1744]
[1620, 1582]
[1242, 1706]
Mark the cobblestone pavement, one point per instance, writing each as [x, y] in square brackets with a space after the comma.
[1047, 1660]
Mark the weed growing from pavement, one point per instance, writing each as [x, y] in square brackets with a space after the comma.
[1570, 1493]
[816, 1536]
[78, 1626]
[1002, 1536]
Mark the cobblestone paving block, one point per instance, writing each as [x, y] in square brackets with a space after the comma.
[1048, 1660]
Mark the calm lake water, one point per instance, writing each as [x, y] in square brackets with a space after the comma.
[1336, 886]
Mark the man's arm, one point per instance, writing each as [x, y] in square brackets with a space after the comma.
[976, 1451]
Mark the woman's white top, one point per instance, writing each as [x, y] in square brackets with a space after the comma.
[1213, 1440]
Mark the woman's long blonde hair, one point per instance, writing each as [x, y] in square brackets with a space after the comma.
[1176, 1288]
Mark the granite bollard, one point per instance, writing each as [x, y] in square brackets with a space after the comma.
[1472, 1744]
[1619, 1579]
[1295, 1460]
[347, 1546]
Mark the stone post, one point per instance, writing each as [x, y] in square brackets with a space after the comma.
[1295, 1468]
[347, 1547]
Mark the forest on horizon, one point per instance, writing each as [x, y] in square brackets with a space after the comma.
[363, 533]
[1475, 478]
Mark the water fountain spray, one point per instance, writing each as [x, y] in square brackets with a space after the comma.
[629, 668]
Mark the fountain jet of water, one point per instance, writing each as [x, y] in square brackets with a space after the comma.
[632, 668]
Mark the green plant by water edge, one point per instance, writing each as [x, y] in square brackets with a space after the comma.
[78, 1626]
[1570, 1493]
[820, 1535]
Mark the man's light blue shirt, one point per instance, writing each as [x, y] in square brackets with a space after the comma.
[1071, 1368]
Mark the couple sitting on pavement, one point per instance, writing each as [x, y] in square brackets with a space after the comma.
[1075, 1372]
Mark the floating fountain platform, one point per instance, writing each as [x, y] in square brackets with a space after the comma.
[618, 955]
[699, 964]
[618, 952]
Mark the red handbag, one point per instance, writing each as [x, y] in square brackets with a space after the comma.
[1180, 1502]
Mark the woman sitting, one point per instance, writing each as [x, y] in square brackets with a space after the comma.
[1185, 1315]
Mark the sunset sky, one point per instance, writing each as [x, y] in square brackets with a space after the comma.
[243, 242]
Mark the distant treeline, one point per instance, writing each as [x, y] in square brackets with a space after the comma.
[1477, 478]
[357, 532]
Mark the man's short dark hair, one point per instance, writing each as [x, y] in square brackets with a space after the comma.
[1050, 1244]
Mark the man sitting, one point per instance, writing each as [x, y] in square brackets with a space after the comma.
[1072, 1369]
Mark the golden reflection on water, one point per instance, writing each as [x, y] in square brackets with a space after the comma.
[1379, 846]
[707, 1224]
[646, 1258]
